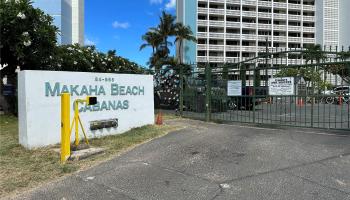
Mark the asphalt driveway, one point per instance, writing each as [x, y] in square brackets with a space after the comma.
[213, 161]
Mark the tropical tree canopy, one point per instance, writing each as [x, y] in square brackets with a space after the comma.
[157, 38]
[183, 33]
[28, 36]
[88, 59]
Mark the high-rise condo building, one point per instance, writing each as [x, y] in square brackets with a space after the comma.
[68, 17]
[332, 22]
[233, 30]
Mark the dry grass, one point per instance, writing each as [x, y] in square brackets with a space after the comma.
[21, 169]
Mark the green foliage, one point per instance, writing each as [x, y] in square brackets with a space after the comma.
[88, 59]
[28, 36]
[157, 38]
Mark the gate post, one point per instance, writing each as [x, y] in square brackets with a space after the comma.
[208, 92]
[181, 91]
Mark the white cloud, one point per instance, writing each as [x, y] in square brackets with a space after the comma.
[155, 1]
[170, 5]
[149, 13]
[89, 41]
[123, 25]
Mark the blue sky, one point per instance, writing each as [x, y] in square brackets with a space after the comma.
[119, 25]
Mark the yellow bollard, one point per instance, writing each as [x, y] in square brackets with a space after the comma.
[76, 118]
[65, 128]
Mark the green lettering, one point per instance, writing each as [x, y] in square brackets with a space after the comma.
[104, 106]
[114, 89]
[125, 104]
[96, 107]
[73, 90]
[52, 92]
[111, 104]
[128, 91]
[120, 105]
[65, 89]
[135, 90]
[84, 91]
[93, 89]
[141, 90]
[101, 91]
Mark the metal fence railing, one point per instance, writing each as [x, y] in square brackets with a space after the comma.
[298, 87]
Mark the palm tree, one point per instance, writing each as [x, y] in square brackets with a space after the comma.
[166, 28]
[153, 39]
[314, 52]
[183, 33]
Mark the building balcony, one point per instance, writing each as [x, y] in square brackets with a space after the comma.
[249, 25]
[280, 27]
[217, 23]
[233, 24]
[280, 16]
[293, 6]
[202, 35]
[309, 7]
[309, 40]
[249, 14]
[233, 36]
[294, 17]
[201, 47]
[233, 12]
[294, 61]
[294, 28]
[214, 47]
[248, 49]
[232, 59]
[233, 48]
[249, 2]
[264, 4]
[238, 2]
[279, 5]
[203, 10]
[216, 35]
[309, 29]
[309, 18]
[217, 1]
[202, 59]
[264, 26]
[294, 39]
[216, 59]
[214, 11]
[280, 38]
[264, 15]
[263, 37]
[202, 22]
[248, 37]
[271, 49]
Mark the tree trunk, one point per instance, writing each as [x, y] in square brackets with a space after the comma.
[180, 52]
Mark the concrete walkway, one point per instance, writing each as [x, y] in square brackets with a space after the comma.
[213, 161]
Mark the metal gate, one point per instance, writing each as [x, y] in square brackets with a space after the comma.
[320, 89]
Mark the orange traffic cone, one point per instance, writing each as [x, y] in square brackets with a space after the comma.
[159, 120]
[300, 102]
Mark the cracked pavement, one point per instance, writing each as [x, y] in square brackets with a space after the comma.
[216, 161]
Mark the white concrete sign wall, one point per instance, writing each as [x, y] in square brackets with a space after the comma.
[126, 97]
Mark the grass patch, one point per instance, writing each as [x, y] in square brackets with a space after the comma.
[22, 169]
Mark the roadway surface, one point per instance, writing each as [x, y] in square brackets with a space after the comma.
[213, 161]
